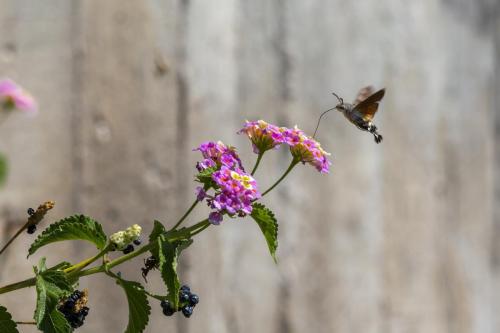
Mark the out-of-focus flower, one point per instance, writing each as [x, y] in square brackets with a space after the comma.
[215, 218]
[217, 154]
[264, 136]
[200, 193]
[307, 150]
[13, 97]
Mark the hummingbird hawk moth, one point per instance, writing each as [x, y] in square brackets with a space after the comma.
[361, 111]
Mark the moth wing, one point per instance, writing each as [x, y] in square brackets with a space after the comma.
[363, 94]
[369, 106]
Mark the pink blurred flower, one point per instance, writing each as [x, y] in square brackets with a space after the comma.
[13, 96]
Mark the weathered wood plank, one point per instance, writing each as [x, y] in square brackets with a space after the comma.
[35, 50]
[129, 131]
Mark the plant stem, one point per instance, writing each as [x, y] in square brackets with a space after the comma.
[18, 285]
[185, 215]
[24, 227]
[292, 165]
[84, 263]
[206, 225]
[173, 235]
[257, 162]
[25, 322]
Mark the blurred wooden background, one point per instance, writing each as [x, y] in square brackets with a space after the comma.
[400, 237]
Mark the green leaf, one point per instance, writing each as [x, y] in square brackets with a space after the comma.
[54, 322]
[51, 286]
[73, 227]
[205, 177]
[158, 229]
[3, 169]
[138, 306]
[168, 255]
[7, 325]
[268, 225]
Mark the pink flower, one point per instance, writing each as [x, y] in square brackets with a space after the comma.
[13, 96]
[264, 136]
[307, 150]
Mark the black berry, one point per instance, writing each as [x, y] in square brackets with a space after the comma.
[128, 249]
[31, 229]
[137, 242]
[187, 311]
[184, 297]
[31, 211]
[185, 289]
[167, 308]
[193, 299]
[74, 309]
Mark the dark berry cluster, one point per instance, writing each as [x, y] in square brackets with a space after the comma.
[187, 301]
[130, 247]
[32, 227]
[74, 308]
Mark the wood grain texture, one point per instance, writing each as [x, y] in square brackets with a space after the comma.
[400, 237]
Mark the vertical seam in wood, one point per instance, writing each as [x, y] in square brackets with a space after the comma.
[182, 122]
[76, 106]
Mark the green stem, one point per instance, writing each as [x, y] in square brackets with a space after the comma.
[25, 322]
[292, 165]
[257, 162]
[77, 270]
[18, 285]
[24, 227]
[84, 263]
[206, 225]
[185, 215]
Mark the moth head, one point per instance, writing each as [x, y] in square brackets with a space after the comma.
[340, 106]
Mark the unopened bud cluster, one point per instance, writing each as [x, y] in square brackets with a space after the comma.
[123, 239]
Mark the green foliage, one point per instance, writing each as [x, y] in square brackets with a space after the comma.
[205, 177]
[73, 227]
[158, 229]
[51, 286]
[3, 169]
[7, 325]
[138, 306]
[268, 225]
[167, 254]
[54, 322]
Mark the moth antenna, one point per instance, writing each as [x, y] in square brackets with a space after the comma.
[319, 120]
[339, 98]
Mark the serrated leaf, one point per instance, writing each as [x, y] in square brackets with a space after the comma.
[7, 325]
[3, 169]
[205, 177]
[51, 286]
[71, 228]
[268, 225]
[168, 255]
[138, 306]
[158, 229]
[54, 322]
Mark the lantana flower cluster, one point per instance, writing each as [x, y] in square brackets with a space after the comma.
[122, 238]
[13, 97]
[235, 190]
[305, 149]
